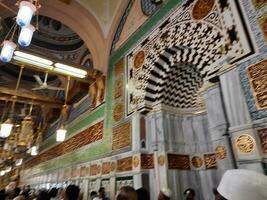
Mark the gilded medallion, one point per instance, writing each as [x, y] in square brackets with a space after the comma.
[220, 152]
[202, 8]
[136, 161]
[161, 160]
[197, 161]
[245, 143]
[139, 59]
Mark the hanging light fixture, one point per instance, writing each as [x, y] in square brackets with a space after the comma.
[26, 11]
[2, 172]
[26, 134]
[19, 162]
[6, 128]
[25, 36]
[34, 150]
[61, 132]
[7, 50]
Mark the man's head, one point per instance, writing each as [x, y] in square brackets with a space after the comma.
[142, 194]
[189, 193]
[93, 194]
[72, 192]
[241, 184]
[127, 193]
[53, 192]
[165, 194]
[102, 192]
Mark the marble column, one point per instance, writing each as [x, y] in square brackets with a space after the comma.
[218, 128]
[240, 123]
[156, 143]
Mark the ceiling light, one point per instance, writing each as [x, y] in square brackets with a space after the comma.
[2, 172]
[71, 69]
[7, 50]
[19, 162]
[65, 72]
[33, 58]
[61, 134]
[33, 63]
[26, 11]
[6, 128]
[34, 150]
[25, 36]
[8, 169]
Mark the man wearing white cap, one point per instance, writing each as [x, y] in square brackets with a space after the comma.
[241, 184]
[165, 194]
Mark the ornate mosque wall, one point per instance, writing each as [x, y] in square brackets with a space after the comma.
[184, 100]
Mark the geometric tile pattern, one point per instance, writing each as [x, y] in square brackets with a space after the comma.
[182, 40]
[177, 89]
[148, 7]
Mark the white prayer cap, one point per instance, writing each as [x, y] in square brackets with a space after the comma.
[243, 184]
[167, 192]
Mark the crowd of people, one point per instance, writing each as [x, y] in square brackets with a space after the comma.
[234, 185]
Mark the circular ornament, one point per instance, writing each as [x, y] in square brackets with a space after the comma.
[197, 161]
[245, 143]
[161, 160]
[136, 161]
[139, 59]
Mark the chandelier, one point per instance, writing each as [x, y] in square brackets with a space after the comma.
[23, 19]
[17, 137]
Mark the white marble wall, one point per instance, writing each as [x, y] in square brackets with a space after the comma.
[173, 133]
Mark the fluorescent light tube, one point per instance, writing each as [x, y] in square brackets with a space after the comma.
[69, 73]
[71, 69]
[32, 62]
[33, 58]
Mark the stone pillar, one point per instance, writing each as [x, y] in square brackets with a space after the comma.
[156, 142]
[136, 132]
[218, 128]
[112, 182]
[85, 189]
[136, 145]
[241, 127]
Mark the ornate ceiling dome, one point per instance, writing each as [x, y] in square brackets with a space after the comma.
[51, 34]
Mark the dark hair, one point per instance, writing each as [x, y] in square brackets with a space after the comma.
[43, 195]
[142, 194]
[191, 191]
[16, 191]
[101, 189]
[93, 193]
[72, 192]
[53, 192]
[125, 191]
